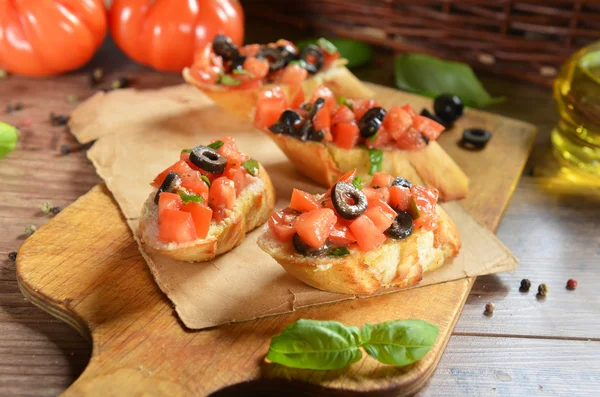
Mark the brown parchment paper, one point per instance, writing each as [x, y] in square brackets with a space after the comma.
[140, 133]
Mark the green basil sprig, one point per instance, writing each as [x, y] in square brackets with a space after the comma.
[206, 180]
[186, 198]
[251, 166]
[216, 145]
[344, 101]
[9, 136]
[226, 79]
[375, 158]
[357, 182]
[313, 344]
[338, 251]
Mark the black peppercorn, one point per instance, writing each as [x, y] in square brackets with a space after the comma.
[65, 149]
[58, 119]
[543, 290]
[55, 210]
[121, 82]
[12, 256]
[95, 77]
[525, 285]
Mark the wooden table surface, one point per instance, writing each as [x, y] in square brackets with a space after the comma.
[528, 347]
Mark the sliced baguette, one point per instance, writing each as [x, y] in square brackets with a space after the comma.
[253, 208]
[397, 263]
[325, 163]
[242, 102]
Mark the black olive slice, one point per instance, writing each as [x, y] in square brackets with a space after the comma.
[305, 249]
[306, 132]
[448, 107]
[399, 181]
[287, 123]
[237, 63]
[314, 58]
[371, 121]
[316, 135]
[170, 184]
[288, 52]
[475, 138]
[272, 55]
[402, 227]
[208, 159]
[341, 194]
[224, 47]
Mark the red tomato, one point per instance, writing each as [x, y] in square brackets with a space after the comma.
[381, 218]
[410, 140]
[176, 226]
[399, 197]
[193, 181]
[239, 176]
[235, 158]
[180, 167]
[382, 180]
[348, 177]
[165, 34]
[303, 202]
[322, 121]
[329, 59]
[381, 139]
[259, 68]
[298, 98]
[366, 233]
[43, 38]
[207, 66]
[201, 215]
[292, 74]
[397, 121]
[315, 226]
[221, 197]
[327, 95]
[411, 112]
[428, 127]
[168, 201]
[345, 135]
[282, 223]
[341, 235]
[250, 50]
[343, 114]
[426, 200]
[360, 106]
[269, 106]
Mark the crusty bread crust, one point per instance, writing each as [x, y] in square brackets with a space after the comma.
[253, 208]
[242, 102]
[397, 263]
[324, 163]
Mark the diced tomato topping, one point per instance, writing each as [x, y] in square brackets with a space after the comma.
[382, 138]
[221, 197]
[239, 176]
[322, 121]
[207, 66]
[348, 177]
[399, 197]
[381, 179]
[360, 106]
[430, 128]
[397, 121]
[297, 98]
[343, 114]
[381, 218]
[176, 226]
[329, 58]
[426, 200]
[327, 95]
[258, 68]
[345, 135]
[180, 167]
[366, 233]
[315, 226]
[193, 181]
[247, 84]
[341, 235]
[411, 112]
[303, 202]
[293, 74]
[250, 50]
[168, 201]
[269, 106]
[411, 139]
[201, 216]
[234, 157]
[282, 223]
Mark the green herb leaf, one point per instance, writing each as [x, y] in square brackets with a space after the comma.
[251, 166]
[413, 208]
[205, 179]
[9, 136]
[376, 158]
[226, 79]
[186, 198]
[357, 182]
[216, 145]
[299, 62]
[431, 76]
[338, 251]
[399, 342]
[316, 345]
[343, 101]
[327, 46]
[186, 151]
[356, 52]
[373, 138]
[243, 72]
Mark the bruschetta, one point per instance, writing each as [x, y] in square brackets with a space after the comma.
[360, 240]
[325, 137]
[233, 77]
[205, 203]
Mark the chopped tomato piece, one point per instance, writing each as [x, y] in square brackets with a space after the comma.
[360, 106]
[382, 138]
[411, 139]
[380, 217]
[282, 223]
[322, 121]
[430, 128]
[315, 226]
[258, 68]
[378, 198]
[221, 196]
[341, 235]
[239, 176]
[193, 181]
[399, 197]
[269, 106]
[168, 201]
[327, 95]
[367, 235]
[250, 50]
[397, 121]
[297, 98]
[426, 200]
[303, 201]
[176, 226]
[381, 179]
[343, 114]
[329, 58]
[201, 215]
[293, 74]
[247, 85]
[234, 157]
[348, 177]
[345, 135]
[411, 112]
[180, 167]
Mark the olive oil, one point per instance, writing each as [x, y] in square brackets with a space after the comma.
[576, 138]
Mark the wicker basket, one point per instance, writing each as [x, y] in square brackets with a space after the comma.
[527, 40]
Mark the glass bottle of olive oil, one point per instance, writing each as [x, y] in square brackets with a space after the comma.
[576, 138]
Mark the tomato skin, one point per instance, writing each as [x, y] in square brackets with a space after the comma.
[297, 98]
[382, 180]
[176, 226]
[180, 167]
[292, 74]
[367, 235]
[239, 176]
[165, 34]
[168, 201]
[269, 106]
[408, 109]
[345, 135]
[322, 121]
[282, 224]
[193, 181]
[381, 218]
[411, 139]
[430, 128]
[303, 202]
[259, 68]
[201, 216]
[315, 226]
[343, 114]
[341, 235]
[44, 38]
[327, 95]
[426, 200]
[397, 121]
[221, 197]
[400, 197]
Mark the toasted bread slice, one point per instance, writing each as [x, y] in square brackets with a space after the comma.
[325, 163]
[397, 263]
[253, 208]
[241, 102]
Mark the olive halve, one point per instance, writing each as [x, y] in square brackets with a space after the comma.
[314, 58]
[287, 123]
[208, 159]
[448, 107]
[171, 183]
[475, 138]
[403, 182]
[402, 227]
[341, 194]
[304, 249]
[288, 52]
[224, 47]
[370, 122]
[273, 56]
[435, 118]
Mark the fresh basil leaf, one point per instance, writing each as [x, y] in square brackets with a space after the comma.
[205, 179]
[399, 342]
[327, 46]
[216, 144]
[299, 62]
[226, 79]
[344, 101]
[9, 136]
[315, 344]
[338, 251]
[186, 151]
[356, 52]
[431, 76]
[413, 208]
[357, 182]
[251, 166]
[243, 72]
[376, 158]
[186, 198]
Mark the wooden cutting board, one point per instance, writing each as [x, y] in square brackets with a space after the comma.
[85, 268]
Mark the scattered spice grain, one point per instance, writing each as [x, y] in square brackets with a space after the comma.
[542, 290]
[12, 256]
[525, 285]
[571, 284]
